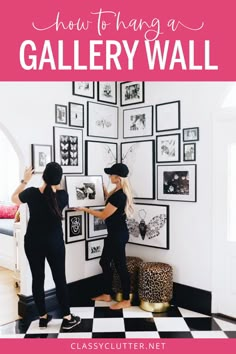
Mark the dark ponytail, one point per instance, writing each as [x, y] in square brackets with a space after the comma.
[52, 201]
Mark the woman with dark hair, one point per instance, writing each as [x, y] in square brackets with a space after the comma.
[44, 239]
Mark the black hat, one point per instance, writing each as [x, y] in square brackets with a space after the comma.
[119, 169]
[52, 174]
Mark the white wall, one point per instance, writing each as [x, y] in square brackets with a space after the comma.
[27, 112]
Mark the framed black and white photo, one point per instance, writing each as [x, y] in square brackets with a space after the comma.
[191, 134]
[94, 249]
[107, 91]
[96, 226]
[189, 152]
[76, 115]
[84, 191]
[60, 114]
[40, 156]
[149, 226]
[82, 88]
[138, 122]
[168, 116]
[168, 148]
[131, 92]
[68, 149]
[139, 157]
[102, 120]
[177, 183]
[74, 226]
[107, 153]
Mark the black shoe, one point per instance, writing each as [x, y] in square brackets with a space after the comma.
[43, 322]
[68, 324]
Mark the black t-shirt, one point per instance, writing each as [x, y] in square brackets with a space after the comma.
[43, 222]
[116, 223]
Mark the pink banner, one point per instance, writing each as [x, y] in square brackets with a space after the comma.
[118, 40]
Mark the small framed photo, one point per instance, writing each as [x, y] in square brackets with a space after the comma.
[68, 149]
[40, 156]
[102, 120]
[107, 91]
[168, 148]
[189, 152]
[138, 122]
[76, 115]
[82, 88]
[74, 226]
[168, 116]
[191, 134]
[84, 191]
[60, 114]
[131, 92]
[94, 249]
[177, 183]
[96, 226]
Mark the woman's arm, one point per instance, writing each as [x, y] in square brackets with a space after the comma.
[27, 176]
[104, 214]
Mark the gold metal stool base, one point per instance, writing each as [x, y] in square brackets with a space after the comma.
[119, 297]
[154, 306]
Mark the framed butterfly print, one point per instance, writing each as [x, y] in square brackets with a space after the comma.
[68, 149]
[149, 226]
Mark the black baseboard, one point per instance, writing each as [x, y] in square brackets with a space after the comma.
[193, 299]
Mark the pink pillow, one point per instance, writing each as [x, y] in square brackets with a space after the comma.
[8, 211]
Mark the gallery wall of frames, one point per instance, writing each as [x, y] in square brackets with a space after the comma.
[160, 153]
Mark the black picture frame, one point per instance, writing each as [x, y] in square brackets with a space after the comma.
[40, 156]
[97, 245]
[189, 152]
[107, 92]
[75, 226]
[177, 182]
[83, 89]
[168, 148]
[191, 134]
[60, 114]
[96, 227]
[138, 122]
[149, 226]
[168, 116]
[132, 92]
[76, 115]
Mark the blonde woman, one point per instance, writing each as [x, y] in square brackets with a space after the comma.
[119, 206]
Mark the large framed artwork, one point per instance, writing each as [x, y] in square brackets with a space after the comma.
[177, 183]
[149, 226]
[68, 149]
[168, 148]
[131, 92]
[74, 226]
[40, 156]
[94, 249]
[138, 122]
[107, 91]
[102, 120]
[83, 88]
[76, 115]
[96, 226]
[168, 116]
[139, 157]
[84, 191]
[107, 153]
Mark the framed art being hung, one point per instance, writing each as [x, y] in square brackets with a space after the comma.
[40, 156]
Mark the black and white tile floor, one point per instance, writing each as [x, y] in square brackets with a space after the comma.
[98, 321]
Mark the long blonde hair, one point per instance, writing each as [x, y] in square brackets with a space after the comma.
[129, 208]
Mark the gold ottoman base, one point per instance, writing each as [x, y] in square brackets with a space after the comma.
[154, 306]
[119, 297]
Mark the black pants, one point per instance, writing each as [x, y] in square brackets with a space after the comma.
[54, 252]
[114, 249]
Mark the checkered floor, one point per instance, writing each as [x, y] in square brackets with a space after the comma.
[98, 321]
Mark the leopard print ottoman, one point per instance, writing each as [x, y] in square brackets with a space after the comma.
[155, 286]
[133, 265]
